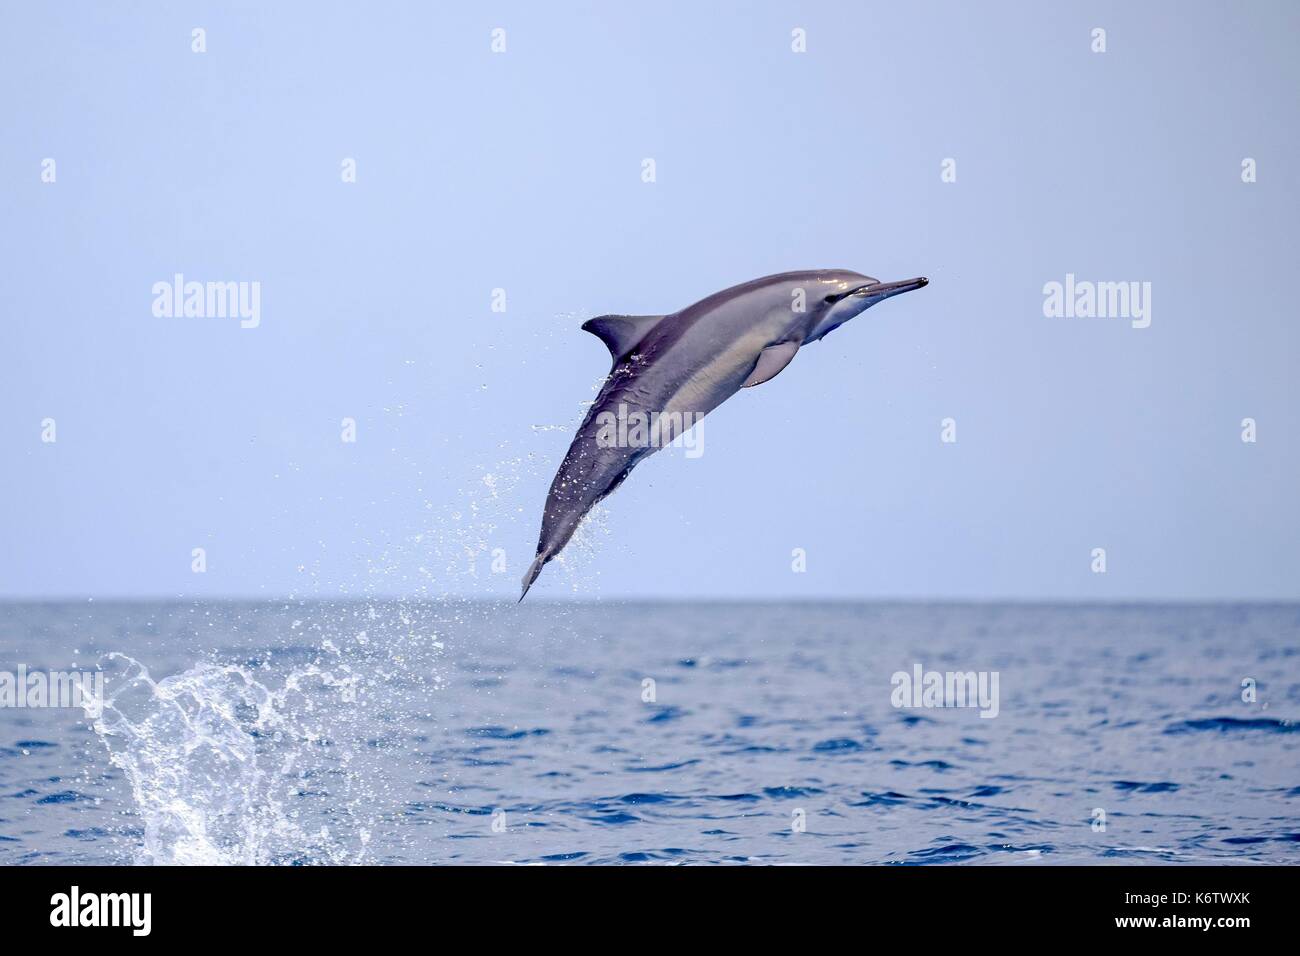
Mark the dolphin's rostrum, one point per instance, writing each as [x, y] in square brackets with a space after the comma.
[677, 368]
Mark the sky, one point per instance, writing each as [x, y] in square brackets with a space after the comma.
[990, 147]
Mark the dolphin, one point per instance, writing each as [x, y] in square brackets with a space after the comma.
[674, 369]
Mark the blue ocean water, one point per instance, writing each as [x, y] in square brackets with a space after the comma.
[604, 732]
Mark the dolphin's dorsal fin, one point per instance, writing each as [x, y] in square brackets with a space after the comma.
[621, 333]
[770, 362]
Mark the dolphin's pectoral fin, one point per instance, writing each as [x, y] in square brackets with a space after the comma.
[770, 362]
[621, 333]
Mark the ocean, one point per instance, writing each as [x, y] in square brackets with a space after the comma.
[646, 733]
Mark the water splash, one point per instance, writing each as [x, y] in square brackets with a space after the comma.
[282, 757]
[224, 769]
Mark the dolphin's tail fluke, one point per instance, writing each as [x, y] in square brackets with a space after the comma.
[530, 576]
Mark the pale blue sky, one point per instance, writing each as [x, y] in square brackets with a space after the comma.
[522, 171]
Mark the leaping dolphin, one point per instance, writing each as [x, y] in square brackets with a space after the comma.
[677, 368]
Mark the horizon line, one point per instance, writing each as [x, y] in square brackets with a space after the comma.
[505, 599]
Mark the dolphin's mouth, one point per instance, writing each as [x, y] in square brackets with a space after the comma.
[883, 290]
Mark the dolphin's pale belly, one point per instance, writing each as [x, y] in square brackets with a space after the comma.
[706, 362]
[721, 377]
